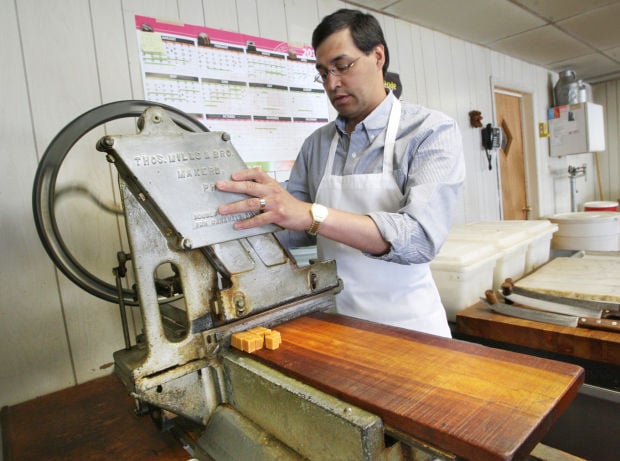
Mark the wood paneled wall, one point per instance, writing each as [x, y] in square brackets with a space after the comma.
[61, 58]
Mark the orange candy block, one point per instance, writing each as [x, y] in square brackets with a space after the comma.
[247, 342]
[259, 330]
[273, 340]
[255, 338]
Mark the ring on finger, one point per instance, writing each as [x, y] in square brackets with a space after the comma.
[262, 203]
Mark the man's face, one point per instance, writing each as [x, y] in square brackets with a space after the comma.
[360, 89]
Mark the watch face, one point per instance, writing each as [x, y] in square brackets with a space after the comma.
[319, 212]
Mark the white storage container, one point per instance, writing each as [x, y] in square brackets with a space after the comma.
[539, 235]
[600, 206]
[303, 255]
[463, 270]
[540, 246]
[587, 230]
[510, 242]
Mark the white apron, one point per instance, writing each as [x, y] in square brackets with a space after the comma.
[376, 290]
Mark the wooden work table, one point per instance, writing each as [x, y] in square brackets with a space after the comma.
[92, 421]
[474, 401]
[481, 322]
[477, 402]
[584, 275]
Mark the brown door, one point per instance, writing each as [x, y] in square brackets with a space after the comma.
[510, 156]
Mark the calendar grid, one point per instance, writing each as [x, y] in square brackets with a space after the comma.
[262, 92]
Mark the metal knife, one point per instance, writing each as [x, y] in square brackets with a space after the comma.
[556, 319]
[509, 289]
[558, 308]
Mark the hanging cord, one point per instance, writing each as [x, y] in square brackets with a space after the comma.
[78, 189]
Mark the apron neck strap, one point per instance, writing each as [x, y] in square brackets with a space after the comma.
[390, 142]
[390, 138]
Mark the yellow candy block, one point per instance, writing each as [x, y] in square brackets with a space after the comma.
[256, 338]
[273, 340]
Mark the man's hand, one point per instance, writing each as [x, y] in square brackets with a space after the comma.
[280, 207]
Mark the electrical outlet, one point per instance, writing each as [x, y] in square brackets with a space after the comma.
[543, 131]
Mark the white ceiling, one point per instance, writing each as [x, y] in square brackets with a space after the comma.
[582, 35]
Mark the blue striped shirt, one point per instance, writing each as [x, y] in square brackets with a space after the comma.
[428, 167]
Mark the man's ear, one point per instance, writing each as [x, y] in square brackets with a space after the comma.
[379, 53]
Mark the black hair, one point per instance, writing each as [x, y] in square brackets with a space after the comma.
[365, 30]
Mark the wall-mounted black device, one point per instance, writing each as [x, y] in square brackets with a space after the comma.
[491, 139]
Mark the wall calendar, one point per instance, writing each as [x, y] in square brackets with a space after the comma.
[261, 91]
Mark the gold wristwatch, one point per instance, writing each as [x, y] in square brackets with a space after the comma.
[319, 213]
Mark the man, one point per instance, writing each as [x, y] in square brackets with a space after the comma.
[377, 186]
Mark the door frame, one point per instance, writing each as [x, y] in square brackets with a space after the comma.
[532, 178]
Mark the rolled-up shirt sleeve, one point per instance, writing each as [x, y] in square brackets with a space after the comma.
[429, 169]
[432, 171]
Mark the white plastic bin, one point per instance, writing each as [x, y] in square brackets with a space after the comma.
[303, 255]
[600, 206]
[540, 246]
[539, 234]
[587, 230]
[462, 271]
[510, 242]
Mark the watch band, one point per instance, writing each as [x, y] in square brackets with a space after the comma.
[319, 214]
[314, 228]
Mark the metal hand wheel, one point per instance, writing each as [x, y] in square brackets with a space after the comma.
[44, 193]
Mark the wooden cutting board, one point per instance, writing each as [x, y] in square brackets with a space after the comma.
[590, 277]
[474, 401]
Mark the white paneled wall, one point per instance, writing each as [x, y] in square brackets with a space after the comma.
[608, 95]
[61, 58]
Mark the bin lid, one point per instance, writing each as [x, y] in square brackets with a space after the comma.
[502, 237]
[458, 254]
[534, 227]
[602, 206]
[585, 216]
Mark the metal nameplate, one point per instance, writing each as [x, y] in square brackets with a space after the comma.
[173, 173]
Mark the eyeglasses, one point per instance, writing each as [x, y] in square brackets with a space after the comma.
[337, 70]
